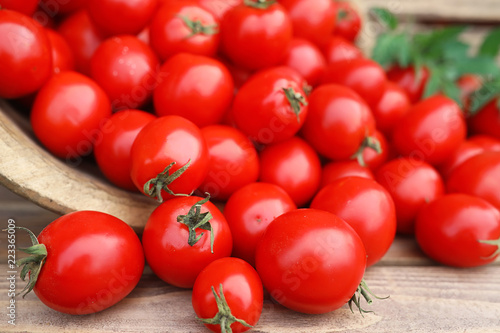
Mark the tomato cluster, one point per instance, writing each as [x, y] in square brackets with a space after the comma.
[317, 154]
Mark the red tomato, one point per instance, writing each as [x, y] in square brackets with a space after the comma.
[411, 184]
[164, 148]
[412, 83]
[195, 87]
[62, 55]
[487, 142]
[112, 147]
[82, 37]
[377, 151]
[337, 48]
[392, 106]
[452, 230]
[362, 75]
[256, 34]
[249, 211]
[333, 171]
[59, 7]
[367, 207]
[126, 69]
[479, 176]
[92, 261]
[219, 8]
[271, 106]
[232, 283]
[431, 130]
[338, 121]
[307, 59]
[468, 84]
[311, 20]
[348, 24]
[293, 165]
[25, 55]
[487, 120]
[302, 252]
[67, 114]
[26, 7]
[115, 17]
[184, 27]
[464, 151]
[177, 250]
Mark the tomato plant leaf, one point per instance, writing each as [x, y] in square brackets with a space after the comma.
[491, 44]
[385, 17]
[481, 65]
[484, 95]
[433, 83]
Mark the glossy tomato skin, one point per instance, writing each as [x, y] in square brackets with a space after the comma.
[26, 7]
[374, 159]
[126, 68]
[409, 81]
[411, 184]
[114, 144]
[165, 241]
[94, 260]
[487, 142]
[338, 121]
[234, 161]
[169, 34]
[333, 171]
[293, 165]
[367, 207]
[449, 229]
[219, 8]
[262, 110]
[307, 59]
[479, 176]
[431, 130]
[464, 151]
[196, 87]
[163, 141]
[487, 120]
[348, 24]
[337, 48]
[62, 55]
[256, 38]
[249, 211]
[242, 290]
[302, 252]
[67, 114]
[61, 8]
[391, 107]
[25, 55]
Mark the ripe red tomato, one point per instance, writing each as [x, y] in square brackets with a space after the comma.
[479, 176]
[233, 283]
[175, 248]
[377, 151]
[112, 146]
[307, 59]
[487, 142]
[25, 55]
[311, 20]
[219, 8]
[468, 84]
[487, 120]
[92, 261]
[62, 55]
[392, 106]
[333, 171]
[184, 27]
[411, 184]
[293, 165]
[302, 252]
[249, 211]
[464, 151]
[256, 34]
[367, 207]
[169, 156]
[452, 230]
[271, 106]
[348, 24]
[26, 7]
[55, 8]
[195, 87]
[338, 121]
[116, 17]
[126, 68]
[337, 48]
[431, 130]
[67, 114]
[412, 83]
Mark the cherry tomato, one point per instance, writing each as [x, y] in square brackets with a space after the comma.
[487, 142]
[112, 148]
[464, 151]
[468, 84]
[25, 55]
[348, 24]
[293, 165]
[249, 211]
[411, 184]
[26, 7]
[373, 158]
[487, 120]
[219, 8]
[234, 283]
[195, 87]
[479, 176]
[169, 156]
[177, 250]
[184, 27]
[271, 106]
[65, 7]
[92, 261]
[367, 207]
[311, 20]
[306, 59]
[334, 132]
[302, 252]
[256, 34]
[431, 130]
[333, 171]
[391, 107]
[452, 230]
[67, 114]
[412, 83]
[62, 55]
[337, 48]
[233, 161]
[126, 69]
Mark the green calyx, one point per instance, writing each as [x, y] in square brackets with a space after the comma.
[296, 100]
[195, 219]
[197, 27]
[364, 291]
[259, 4]
[494, 242]
[368, 142]
[224, 317]
[154, 186]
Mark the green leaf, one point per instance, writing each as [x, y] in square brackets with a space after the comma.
[491, 44]
[481, 65]
[404, 51]
[383, 50]
[385, 17]
[433, 84]
[451, 89]
[436, 38]
[454, 50]
[484, 95]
